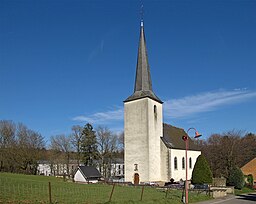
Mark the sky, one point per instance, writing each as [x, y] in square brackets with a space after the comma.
[70, 62]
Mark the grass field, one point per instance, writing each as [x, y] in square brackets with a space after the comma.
[17, 188]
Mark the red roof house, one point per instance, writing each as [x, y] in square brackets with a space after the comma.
[250, 168]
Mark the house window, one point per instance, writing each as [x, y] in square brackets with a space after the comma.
[190, 163]
[175, 163]
[183, 163]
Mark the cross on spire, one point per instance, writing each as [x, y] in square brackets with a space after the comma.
[141, 14]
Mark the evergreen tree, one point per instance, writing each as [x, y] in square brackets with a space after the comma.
[89, 145]
[236, 178]
[201, 173]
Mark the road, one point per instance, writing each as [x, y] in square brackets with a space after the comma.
[242, 199]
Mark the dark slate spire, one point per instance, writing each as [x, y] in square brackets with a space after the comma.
[143, 84]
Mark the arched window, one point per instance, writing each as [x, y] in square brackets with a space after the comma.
[190, 163]
[175, 163]
[183, 163]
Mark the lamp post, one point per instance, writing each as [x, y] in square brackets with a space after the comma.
[185, 138]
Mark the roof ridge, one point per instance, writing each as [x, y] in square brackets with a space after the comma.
[174, 126]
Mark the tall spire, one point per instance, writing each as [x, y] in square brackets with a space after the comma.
[143, 79]
[143, 84]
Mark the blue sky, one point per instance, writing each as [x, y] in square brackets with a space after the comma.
[65, 63]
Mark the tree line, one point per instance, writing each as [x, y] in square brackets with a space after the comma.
[21, 148]
[222, 156]
[227, 151]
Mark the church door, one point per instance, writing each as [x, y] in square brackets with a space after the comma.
[136, 179]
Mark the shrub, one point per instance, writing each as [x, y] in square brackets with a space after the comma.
[236, 178]
[250, 180]
[202, 173]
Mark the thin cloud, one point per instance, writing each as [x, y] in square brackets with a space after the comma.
[204, 102]
[179, 108]
[102, 117]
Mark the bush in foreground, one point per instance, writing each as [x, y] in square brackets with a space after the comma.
[202, 173]
[236, 178]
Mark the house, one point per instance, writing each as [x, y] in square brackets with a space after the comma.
[117, 167]
[48, 168]
[44, 168]
[154, 152]
[250, 168]
[117, 170]
[87, 174]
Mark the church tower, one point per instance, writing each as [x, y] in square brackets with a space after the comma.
[143, 124]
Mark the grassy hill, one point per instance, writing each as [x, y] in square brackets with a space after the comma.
[17, 188]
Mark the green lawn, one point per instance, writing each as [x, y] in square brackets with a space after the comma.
[17, 188]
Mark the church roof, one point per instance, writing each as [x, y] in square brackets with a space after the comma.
[143, 84]
[172, 138]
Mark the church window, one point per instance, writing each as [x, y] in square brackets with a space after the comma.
[183, 163]
[135, 167]
[190, 163]
[155, 111]
[175, 163]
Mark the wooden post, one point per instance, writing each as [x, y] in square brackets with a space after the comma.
[50, 193]
[166, 193]
[142, 191]
[112, 192]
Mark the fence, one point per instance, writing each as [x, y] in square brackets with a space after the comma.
[31, 191]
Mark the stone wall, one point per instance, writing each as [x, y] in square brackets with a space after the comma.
[220, 182]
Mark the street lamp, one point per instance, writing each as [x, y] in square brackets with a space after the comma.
[185, 138]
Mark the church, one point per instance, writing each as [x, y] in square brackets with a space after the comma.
[153, 151]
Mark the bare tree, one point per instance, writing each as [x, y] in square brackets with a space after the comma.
[76, 140]
[247, 149]
[120, 141]
[229, 149]
[107, 145]
[7, 143]
[28, 149]
[20, 148]
[62, 143]
[7, 133]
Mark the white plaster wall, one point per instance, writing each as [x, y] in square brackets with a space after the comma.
[181, 173]
[142, 131]
[155, 131]
[164, 162]
[135, 139]
[78, 177]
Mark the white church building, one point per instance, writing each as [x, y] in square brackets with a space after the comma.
[154, 151]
